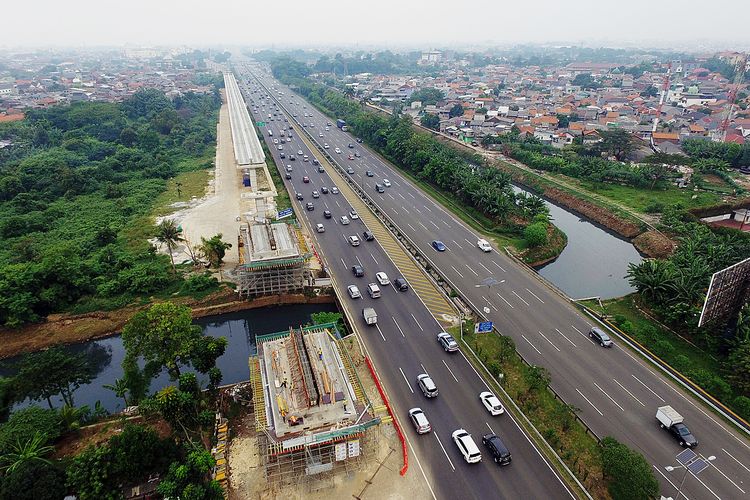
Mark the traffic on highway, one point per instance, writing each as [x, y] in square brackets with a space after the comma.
[617, 392]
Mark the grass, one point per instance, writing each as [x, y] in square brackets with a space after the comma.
[638, 199]
[283, 200]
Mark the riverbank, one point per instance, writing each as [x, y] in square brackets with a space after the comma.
[64, 329]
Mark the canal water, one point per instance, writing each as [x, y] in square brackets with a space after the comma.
[240, 329]
[594, 262]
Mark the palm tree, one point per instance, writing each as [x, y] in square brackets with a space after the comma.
[214, 249]
[32, 450]
[120, 388]
[170, 235]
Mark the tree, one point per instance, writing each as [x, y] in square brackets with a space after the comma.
[629, 475]
[456, 110]
[165, 337]
[120, 388]
[427, 95]
[214, 249]
[169, 234]
[535, 234]
[23, 452]
[53, 372]
[188, 479]
[738, 365]
[33, 480]
[563, 121]
[618, 143]
[430, 121]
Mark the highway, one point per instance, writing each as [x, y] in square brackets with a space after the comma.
[403, 344]
[616, 391]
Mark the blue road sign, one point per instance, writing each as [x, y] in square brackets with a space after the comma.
[284, 213]
[483, 327]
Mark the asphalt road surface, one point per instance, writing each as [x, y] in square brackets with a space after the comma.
[616, 391]
[403, 344]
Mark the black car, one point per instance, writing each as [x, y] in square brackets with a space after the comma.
[400, 284]
[292, 158]
[324, 190]
[498, 450]
[358, 270]
[359, 140]
[310, 207]
[351, 146]
[282, 155]
[683, 435]
[287, 176]
[327, 214]
[601, 338]
[368, 235]
[321, 169]
[300, 197]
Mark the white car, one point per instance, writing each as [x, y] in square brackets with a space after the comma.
[382, 279]
[386, 183]
[467, 446]
[335, 190]
[484, 245]
[493, 405]
[338, 151]
[354, 292]
[299, 153]
[320, 134]
[344, 220]
[418, 418]
[326, 146]
[354, 240]
[320, 228]
[354, 215]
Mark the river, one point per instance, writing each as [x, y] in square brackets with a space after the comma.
[594, 262]
[239, 328]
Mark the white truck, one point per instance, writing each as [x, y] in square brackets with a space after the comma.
[370, 316]
[672, 421]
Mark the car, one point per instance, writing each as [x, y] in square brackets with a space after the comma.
[315, 194]
[287, 176]
[326, 146]
[447, 341]
[369, 173]
[320, 228]
[327, 214]
[490, 401]
[289, 168]
[351, 157]
[353, 215]
[354, 292]
[368, 235]
[354, 240]
[344, 220]
[359, 140]
[321, 169]
[386, 183]
[349, 170]
[338, 151]
[600, 337]
[324, 189]
[316, 162]
[419, 420]
[356, 153]
[300, 197]
[426, 385]
[300, 153]
[484, 245]
[310, 207]
[280, 147]
[373, 290]
[498, 450]
[467, 446]
[328, 128]
[379, 188]
[282, 155]
[305, 158]
[400, 284]
[335, 190]
[292, 158]
[351, 146]
[382, 278]
[358, 270]
[328, 124]
[275, 141]
[438, 245]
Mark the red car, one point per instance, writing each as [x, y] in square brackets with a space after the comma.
[351, 157]
[306, 179]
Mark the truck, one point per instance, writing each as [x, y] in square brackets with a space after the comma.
[341, 124]
[672, 422]
[370, 316]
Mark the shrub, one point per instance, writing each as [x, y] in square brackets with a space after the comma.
[654, 207]
[33, 480]
[24, 423]
[663, 347]
[535, 234]
[741, 405]
[199, 283]
[628, 474]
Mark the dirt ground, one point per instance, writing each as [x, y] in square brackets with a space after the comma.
[378, 479]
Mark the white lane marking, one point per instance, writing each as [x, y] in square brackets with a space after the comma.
[647, 387]
[458, 272]
[399, 328]
[425, 227]
[583, 334]
[490, 428]
[424, 370]
[469, 242]
[727, 477]
[360, 262]
[427, 208]
[394, 210]
[514, 293]
[373, 258]
[511, 305]
[389, 194]
[456, 243]
[610, 397]
[411, 195]
[532, 345]
[566, 337]
[417, 322]
[631, 394]
[343, 263]
[589, 402]
[443, 447]
[490, 303]
[669, 481]
[733, 457]
[412, 227]
[550, 342]
[418, 210]
[501, 267]
[537, 298]
[436, 226]
[473, 271]
[401, 195]
[485, 267]
[380, 331]
[446, 224]
[337, 203]
[451, 371]
[405, 380]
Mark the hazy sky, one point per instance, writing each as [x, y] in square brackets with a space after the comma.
[440, 23]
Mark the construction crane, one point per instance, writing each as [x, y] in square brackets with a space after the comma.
[664, 90]
[739, 75]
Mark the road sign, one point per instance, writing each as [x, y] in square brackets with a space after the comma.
[260, 124]
[727, 293]
[483, 327]
[284, 213]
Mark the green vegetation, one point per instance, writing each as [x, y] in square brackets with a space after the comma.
[427, 96]
[74, 191]
[430, 121]
[214, 249]
[628, 474]
[321, 318]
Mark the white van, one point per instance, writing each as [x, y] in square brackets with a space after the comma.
[373, 290]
